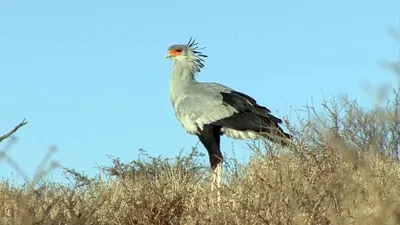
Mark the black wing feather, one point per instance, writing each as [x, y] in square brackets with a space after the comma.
[250, 116]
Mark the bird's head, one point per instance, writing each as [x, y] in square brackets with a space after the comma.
[177, 51]
[187, 53]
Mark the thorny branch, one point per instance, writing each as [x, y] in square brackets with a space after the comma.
[5, 136]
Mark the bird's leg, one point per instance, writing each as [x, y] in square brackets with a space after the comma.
[210, 137]
[218, 179]
[216, 182]
[214, 174]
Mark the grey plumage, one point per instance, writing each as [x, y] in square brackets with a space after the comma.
[209, 110]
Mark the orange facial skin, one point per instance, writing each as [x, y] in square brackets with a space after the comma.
[174, 53]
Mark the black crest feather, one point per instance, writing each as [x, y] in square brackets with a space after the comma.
[193, 45]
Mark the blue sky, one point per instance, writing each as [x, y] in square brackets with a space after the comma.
[91, 78]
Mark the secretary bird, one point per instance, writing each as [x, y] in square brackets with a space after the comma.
[209, 110]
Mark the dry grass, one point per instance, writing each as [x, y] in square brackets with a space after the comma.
[339, 171]
[342, 169]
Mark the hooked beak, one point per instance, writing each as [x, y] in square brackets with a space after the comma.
[168, 55]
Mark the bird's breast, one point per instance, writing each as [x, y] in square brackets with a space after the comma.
[188, 124]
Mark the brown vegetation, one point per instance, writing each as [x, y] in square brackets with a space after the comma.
[342, 169]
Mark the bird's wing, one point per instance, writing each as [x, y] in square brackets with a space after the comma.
[204, 104]
[211, 102]
[238, 114]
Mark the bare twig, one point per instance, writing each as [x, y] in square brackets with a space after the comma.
[5, 136]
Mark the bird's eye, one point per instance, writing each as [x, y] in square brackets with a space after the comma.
[179, 50]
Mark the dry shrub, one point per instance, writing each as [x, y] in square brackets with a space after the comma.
[343, 168]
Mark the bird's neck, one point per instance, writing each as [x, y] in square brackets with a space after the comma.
[182, 74]
[182, 78]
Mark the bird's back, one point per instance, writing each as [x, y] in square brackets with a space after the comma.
[201, 93]
[197, 103]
